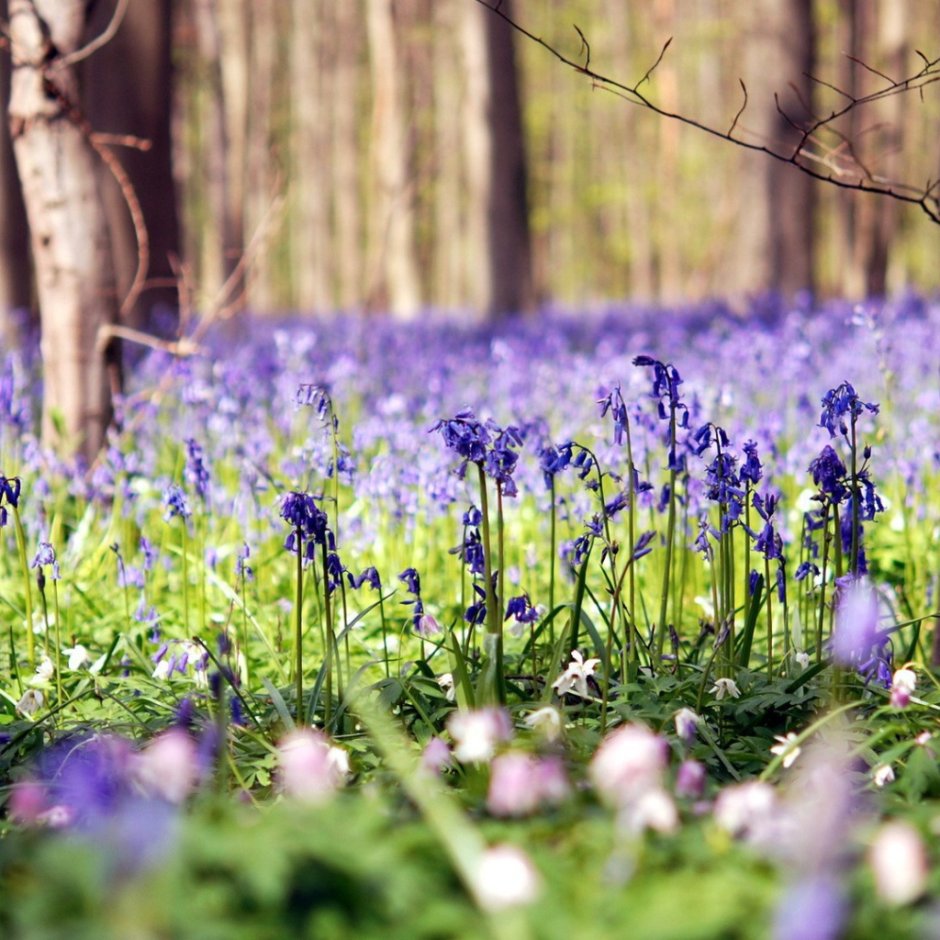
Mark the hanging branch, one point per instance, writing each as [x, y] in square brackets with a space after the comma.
[810, 155]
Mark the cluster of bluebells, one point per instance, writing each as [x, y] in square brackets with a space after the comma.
[196, 471]
[485, 444]
[723, 482]
[841, 403]
[669, 404]
[310, 528]
[422, 622]
[175, 503]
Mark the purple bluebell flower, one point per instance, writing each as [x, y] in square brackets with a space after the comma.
[751, 470]
[368, 576]
[521, 609]
[552, 460]
[615, 404]
[829, 474]
[196, 472]
[840, 403]
[175, 503]
[412, 582]
[45, 558]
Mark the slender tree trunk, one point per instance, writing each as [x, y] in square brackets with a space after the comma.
[15, 262]
[311, 105]
[139, 107]
[71, 249]
[346, 165]
[394, 263]
[495, 165]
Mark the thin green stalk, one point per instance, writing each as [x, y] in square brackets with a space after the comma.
[185, 555]
[299, 628]
[661, 626]
[492, 689]
[630, 627]
[28, 596]
[332, 647]
[770, 619]
[853, 560]
[822, 587]
[551, 564]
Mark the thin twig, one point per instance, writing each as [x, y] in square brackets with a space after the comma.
[102, 39]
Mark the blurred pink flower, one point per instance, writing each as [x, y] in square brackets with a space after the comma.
[628, 762]
[168, 767]
[309, 767]
[477, 734]
[520, 783]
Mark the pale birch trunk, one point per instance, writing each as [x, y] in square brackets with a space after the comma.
[69, 234]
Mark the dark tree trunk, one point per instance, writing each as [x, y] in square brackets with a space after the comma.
[127, 89]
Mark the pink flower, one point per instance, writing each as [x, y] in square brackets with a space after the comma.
[310, 768]
[505, 877]
[169, 766]
[476, 734]
[436, 756]
[520, 783]
[903, 684]
[898, 862]
[690, 780]
[628, 762]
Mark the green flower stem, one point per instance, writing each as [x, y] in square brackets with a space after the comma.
[553, 551]
[298, 628]
[853, 558]
[332, 652]
[28, 593]
[821, 613]
[630, 627]
[662, 625]
[770, 618]
[491, 689]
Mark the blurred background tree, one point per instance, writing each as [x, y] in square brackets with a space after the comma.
[408, 155]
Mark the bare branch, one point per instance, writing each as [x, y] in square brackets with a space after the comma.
[652, 68]
[870, 68]
[101, 40]
[585, 47]
[801, 158]
[734, 123]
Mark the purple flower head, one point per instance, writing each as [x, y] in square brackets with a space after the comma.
[521, 609]
[751, 471]
[811, 909]
[368, 576]
[242, 568]
[829, 474]
[45, 558]
[175, 503]
[317, 397]
[552, 460]
[411, 580]
[196, 472]
[472, 517]
[856, 633]
[466, 436]
[615, 404]
[10, 490]
[643, 545]
[301, 512]
[666, 382]
[840, 403]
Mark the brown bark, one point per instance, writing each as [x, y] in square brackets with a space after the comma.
[495, 165]
[139, 106]
[397, 285]
[15, 262]
[69, 234]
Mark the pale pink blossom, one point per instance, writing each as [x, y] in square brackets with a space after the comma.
[478, 733]
[520, 783]
[628, 762]
[898, 861]
[168, 767]
[903, 684]
[309, 767]
[505, 877]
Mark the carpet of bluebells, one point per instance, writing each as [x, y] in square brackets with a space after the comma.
[573, 624]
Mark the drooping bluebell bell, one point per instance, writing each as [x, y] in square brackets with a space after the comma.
[615, 405]
[666, 382]
[368, 576]
[552, 460]
[46, 558]
[175, 503]
[521, 609]
[412, 582]
[196, 472]
[841, 403]
[10, 493]
[751, 470]
[828, 473]
[301, 512]
[242, 568]
[476, 613]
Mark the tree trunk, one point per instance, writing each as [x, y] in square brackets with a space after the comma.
[69, 233]
[397, 284]
[140, 107]
[15, 263]
[495, 165]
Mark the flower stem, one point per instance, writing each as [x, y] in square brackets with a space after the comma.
[298, 628]
[28, 596]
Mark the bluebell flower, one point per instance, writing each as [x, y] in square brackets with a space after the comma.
[521, 609]
[10, 490]
[196, 472]
[828, 473]
[840, 403]
[242, 568]
[666, 382]
[476, 613]
[368, 576]
[643, 545]
[301, 512]
[174, 499]
[45, 558]
[412, 582]
[615, 404]
[751, 470]
[552, 460]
